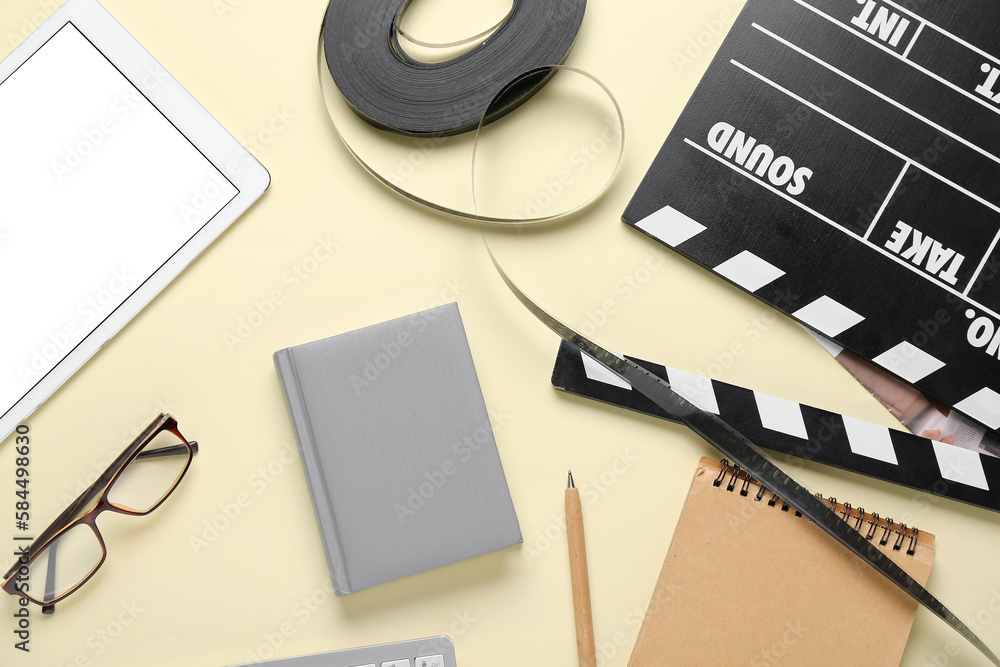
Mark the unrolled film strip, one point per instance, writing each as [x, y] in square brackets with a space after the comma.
[840, 160]
[801, 430]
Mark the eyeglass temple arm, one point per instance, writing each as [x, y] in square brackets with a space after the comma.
[168, 451]
[50, 580]
[94, 490]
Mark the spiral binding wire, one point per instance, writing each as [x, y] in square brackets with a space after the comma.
[848, 513]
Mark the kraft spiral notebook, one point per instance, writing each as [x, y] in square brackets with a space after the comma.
[747, 581]
[398, 448]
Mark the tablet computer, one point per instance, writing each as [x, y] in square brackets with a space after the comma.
[112, 180]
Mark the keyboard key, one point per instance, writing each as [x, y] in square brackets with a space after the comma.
[431, 661]
[368, 665]
[397, 663]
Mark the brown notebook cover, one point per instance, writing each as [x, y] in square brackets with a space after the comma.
[747, 583]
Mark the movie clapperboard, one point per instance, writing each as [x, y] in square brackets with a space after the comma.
[840, 160]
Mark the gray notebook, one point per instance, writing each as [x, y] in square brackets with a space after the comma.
[398, 448]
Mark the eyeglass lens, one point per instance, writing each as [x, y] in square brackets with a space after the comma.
[147, 480]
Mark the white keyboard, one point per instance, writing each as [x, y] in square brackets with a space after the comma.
[428, 652]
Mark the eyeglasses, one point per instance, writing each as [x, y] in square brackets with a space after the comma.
[68, 553]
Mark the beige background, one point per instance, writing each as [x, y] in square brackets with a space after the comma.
[164, 599]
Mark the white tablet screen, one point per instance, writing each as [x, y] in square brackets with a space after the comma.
[97, 190]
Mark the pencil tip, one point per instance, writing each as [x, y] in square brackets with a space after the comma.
[570, 483]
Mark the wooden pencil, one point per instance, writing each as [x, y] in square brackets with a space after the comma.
[578, 573]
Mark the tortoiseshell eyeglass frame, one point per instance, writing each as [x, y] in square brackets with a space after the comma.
[16, 578]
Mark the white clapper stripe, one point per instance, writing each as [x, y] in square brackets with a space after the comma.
[983, 406]
[909, 362]
[670, 226]
[749, 271]
[828, 316]
[781, 415]
[694, 388]
[960, 465]
[599, 372]
[870, 440]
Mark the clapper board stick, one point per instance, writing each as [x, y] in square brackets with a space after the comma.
[738, 449]
[800, 430]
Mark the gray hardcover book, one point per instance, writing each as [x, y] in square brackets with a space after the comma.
[398, 449]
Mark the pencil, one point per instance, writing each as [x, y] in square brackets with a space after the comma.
[578, 574]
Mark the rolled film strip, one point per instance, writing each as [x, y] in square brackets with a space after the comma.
[393, 91]
[408, 122]
[800, 430]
